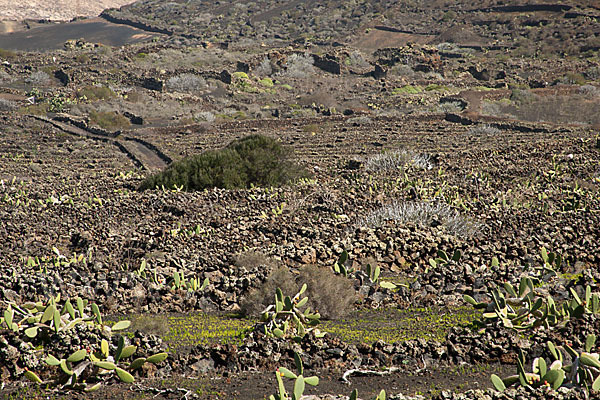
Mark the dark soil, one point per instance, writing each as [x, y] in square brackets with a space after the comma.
[254, 385]
[53, 36]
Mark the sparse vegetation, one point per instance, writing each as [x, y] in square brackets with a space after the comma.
[109, 120]
[82, 58]
[484, 129]
[299, 66]
[186, 83]
[356, 59]
[38, 78]
[7, 105]
[397, 160]
[264, 68]
[589, 90]
[95, 93]
[450, 107]
[205, 116]
[422, 214]
[7, 54]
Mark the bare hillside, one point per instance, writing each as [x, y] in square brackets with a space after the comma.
[57, 10]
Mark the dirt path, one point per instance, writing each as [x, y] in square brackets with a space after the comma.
[142, 154]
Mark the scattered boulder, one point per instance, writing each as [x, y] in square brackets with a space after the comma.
[481, 74]
[328, 63]
[152, 83]
[62, 76]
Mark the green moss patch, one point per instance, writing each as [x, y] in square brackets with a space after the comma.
[192, 330]
[434, 87]
[266, 82]
[95, 93]
[408, 89]
[393, 325]
[390, 325]
[109, 120]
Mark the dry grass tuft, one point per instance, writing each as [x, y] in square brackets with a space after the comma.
[332, 295]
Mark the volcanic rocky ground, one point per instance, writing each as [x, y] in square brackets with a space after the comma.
[454, 127]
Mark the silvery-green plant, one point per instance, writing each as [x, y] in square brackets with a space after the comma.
[421, 213]
[398, 159]
[186, 83]
[485, 129]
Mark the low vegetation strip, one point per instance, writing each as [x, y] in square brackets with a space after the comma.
[393, 326]
[181, 332]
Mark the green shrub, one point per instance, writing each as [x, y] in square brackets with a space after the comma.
[83, 58]
[94, 93]
[110, 120]
[240, 75]
[266, 82]
[254, 160]
[408, 89]
[449, 16]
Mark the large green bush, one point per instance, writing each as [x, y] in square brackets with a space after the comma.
[254, 160]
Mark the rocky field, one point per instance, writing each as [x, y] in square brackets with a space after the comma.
[441, 216]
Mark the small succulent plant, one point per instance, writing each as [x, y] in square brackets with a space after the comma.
[340, 266]
[300, 381]
[584, 371]
[284, 318]
[551, 263]
[192, 284]
[86, 368]
[373, 273]
[50, 316]
[518, 308]
[443, 259]
[524, 307]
